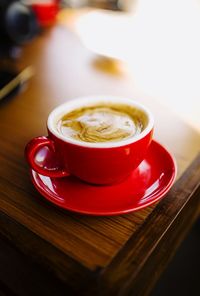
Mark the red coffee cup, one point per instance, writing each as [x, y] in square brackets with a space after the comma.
[97, 163]
[46, 12]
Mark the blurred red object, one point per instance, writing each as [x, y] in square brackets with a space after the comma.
[46, 12]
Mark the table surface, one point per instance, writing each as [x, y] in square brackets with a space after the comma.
[114, 255]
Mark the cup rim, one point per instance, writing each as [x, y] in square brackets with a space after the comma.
[85, 101]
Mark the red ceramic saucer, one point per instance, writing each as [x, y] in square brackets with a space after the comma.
[146, 185]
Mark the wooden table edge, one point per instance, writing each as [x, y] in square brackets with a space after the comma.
[42, 254]
[139, 263]
[137, 267]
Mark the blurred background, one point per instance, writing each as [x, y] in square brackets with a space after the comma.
[155, 43]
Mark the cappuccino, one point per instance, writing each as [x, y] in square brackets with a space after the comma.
[102, 123]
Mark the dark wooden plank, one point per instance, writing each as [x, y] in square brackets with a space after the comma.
[20, 276]
[166, 249]
[37, 251]
[134, 270]
[65, 231]
[5, 290]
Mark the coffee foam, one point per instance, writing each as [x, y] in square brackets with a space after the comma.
[76, 103]
[102, 123]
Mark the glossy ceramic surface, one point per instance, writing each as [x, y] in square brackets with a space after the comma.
[46, 12]
[96, 163]
[146, 185]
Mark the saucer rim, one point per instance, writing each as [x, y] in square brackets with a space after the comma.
[158, 196]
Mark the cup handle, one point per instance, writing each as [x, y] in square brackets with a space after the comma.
[30, 152]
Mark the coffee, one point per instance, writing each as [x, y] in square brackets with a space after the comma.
[102, 123]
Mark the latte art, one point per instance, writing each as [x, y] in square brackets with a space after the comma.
[100, 124]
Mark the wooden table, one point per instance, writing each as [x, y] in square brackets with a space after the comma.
[47, 251]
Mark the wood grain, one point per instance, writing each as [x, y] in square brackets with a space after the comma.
[76, 248]
[27, 277]
[160, 235]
